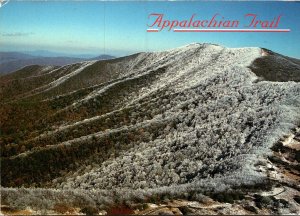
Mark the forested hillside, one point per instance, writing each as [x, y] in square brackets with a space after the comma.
[199, 119]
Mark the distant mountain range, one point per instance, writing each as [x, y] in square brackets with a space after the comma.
[12, 61]
[47, 53]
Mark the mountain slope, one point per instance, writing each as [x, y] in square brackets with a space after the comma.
[193, 119]
[276, 67]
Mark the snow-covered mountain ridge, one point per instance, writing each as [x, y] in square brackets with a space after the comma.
[196, 117]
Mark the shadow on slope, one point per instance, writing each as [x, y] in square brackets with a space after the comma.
[276, 67]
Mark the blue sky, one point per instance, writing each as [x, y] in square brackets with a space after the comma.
[119, 28]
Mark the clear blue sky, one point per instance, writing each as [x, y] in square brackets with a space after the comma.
[119, 28]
